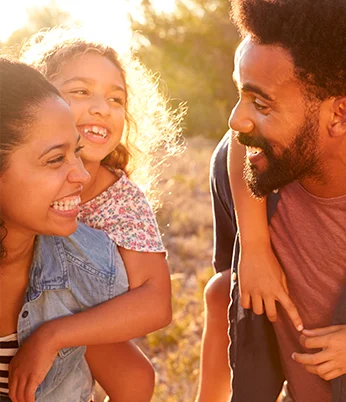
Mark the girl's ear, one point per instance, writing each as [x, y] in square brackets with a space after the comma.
[337, 126]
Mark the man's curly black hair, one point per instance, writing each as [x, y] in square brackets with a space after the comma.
[312, 31]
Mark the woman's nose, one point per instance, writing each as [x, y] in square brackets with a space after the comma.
[79, 174]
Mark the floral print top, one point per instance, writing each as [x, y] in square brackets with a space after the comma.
[123, 212]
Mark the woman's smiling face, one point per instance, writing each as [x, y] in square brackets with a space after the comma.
[44, 177]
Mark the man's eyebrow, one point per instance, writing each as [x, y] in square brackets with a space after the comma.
[91, 81]
[255, 89]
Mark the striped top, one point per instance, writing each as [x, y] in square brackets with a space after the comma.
[8, 348]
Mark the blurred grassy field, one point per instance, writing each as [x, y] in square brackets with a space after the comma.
[185, 220]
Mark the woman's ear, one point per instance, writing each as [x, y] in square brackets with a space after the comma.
[337, 126]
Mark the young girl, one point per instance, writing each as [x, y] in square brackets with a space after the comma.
[91, 79]
[262, 283]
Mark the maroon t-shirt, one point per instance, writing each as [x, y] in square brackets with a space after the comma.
[308, 235]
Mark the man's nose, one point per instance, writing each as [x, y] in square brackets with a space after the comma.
[239, 120]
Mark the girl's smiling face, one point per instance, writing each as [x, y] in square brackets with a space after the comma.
[95, 90]
[41, 186]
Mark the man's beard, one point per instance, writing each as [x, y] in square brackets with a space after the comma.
[298, 161]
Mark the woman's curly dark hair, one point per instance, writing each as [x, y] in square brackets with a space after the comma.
[312, 31]
[22, 91]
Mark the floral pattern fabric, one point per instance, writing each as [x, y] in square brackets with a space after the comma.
[124, 214]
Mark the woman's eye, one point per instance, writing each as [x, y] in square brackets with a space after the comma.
[56, 160]
[79, 92]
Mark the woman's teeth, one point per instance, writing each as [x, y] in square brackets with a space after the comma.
[100, 131]
[67, 205]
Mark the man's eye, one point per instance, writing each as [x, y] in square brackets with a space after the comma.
[56, 160]
[259, 106]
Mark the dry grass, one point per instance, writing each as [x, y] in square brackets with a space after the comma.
[185, 219]
[186, 222]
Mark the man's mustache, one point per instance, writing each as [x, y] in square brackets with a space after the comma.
[253, 140]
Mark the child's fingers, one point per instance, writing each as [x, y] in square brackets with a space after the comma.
[291, 310]
[257, 305]
[270, 308]
[245, 300]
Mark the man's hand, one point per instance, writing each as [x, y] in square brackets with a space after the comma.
[30, 366]
[330, 362]
[262, 283]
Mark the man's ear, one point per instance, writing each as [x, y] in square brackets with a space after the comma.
[337, 126]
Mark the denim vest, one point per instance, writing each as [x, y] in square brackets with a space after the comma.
[69, 275]
[257, 374]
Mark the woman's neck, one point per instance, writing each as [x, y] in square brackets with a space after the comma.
[19, 249]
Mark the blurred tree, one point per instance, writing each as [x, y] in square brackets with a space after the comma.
[193, 49]
[38, 18]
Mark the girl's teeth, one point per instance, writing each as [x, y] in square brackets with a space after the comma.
[96, 130]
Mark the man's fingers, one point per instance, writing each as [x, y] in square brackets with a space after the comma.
[291, 310]
[324, 370]
[310, 359]
[270, 308]
[332, 374]
[322, 331]
[314, 342]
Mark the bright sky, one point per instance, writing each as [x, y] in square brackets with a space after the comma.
[107, 17]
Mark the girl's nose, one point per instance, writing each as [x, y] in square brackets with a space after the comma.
[99, 106]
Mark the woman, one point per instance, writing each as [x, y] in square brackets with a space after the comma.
[46, 277]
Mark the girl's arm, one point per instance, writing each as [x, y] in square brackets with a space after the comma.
[145, 308]
[262, 281]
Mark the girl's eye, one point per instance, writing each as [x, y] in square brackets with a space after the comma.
[117, 100]
[78, 150]
[56, 160]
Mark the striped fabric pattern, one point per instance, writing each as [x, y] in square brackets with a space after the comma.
[8, 348]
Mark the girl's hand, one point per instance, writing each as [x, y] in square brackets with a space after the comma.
[30, 366]
[330, 362]
[262, 283]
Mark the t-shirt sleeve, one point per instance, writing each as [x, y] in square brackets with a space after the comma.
[224, 221]
[131, 222]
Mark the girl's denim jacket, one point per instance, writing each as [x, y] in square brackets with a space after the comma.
[69, 275]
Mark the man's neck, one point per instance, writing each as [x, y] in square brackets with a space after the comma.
[333, 184]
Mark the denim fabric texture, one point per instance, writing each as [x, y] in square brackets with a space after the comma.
[69, 275]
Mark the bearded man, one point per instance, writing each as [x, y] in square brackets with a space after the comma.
[290, 70]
